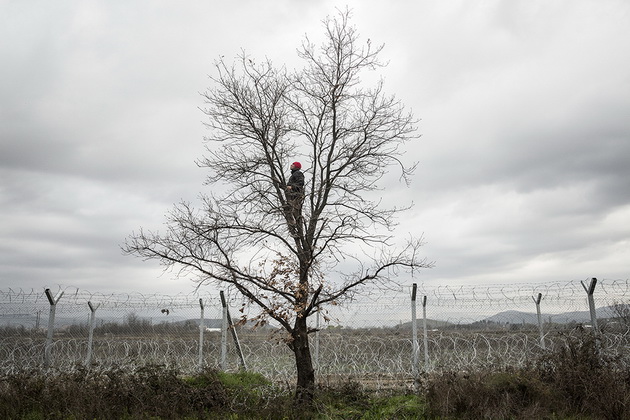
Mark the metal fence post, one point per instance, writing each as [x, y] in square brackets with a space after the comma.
[51, 325]
[540, 323]
[414, 335]
[88, 358]
[426, 334]
[230, 326]
[201, 331]
[591, 302]
[224, 328]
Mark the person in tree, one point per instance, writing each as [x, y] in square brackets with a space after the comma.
[295, 190]
[295, 185]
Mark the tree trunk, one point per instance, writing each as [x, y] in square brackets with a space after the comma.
[305, 388]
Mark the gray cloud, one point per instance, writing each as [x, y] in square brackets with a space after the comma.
[523, 157]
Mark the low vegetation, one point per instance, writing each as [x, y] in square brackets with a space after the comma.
[577, 381]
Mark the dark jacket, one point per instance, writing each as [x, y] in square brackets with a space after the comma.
[296, 181]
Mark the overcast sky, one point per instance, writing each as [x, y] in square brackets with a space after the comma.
[524, 158]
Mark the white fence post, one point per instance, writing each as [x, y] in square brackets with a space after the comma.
[414, 336]
[51, 325]
[224, 328]
[426, 334]
[540, 323]
[201, 331]
[591, 302]
[88, 358]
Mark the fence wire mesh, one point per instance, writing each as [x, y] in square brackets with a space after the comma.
[371, 338]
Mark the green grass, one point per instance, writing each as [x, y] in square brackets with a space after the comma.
[388, 407]
[247, 380]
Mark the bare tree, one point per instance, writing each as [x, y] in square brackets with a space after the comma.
[290, 257]
[621, 312]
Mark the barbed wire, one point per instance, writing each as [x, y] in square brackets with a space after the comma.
[440, 295]
[74, 299]
[369, 337]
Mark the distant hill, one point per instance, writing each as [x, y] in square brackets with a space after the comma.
[431, 324]
[505, 317]
[513, 317]
[518, 317]
[207, 322]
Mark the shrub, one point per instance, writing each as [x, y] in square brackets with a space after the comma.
[151, 391]
[490, 395]
[577, 380]
[590, 380]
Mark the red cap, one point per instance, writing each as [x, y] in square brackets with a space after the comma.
[297, 165]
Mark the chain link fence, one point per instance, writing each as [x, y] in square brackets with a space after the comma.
[381, 338]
